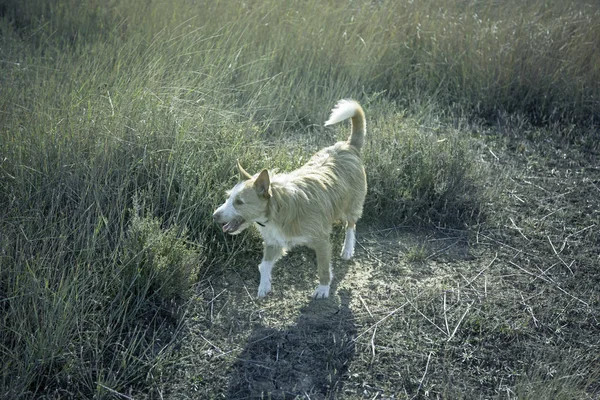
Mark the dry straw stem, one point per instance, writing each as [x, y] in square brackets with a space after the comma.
[460, 321]
[365, 305]
[573, 234]
[550, 281]
[445, 315]
[423, 377]
[422, 315]
[470, 281]
[373, 345]
[391, 313]
[559, 257]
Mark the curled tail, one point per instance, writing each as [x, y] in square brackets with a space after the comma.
[345, 109]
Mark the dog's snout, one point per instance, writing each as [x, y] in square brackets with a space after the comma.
[217, 216]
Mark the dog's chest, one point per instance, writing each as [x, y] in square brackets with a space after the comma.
[272, 235]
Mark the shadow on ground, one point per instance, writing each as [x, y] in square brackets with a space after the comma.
[309, 358]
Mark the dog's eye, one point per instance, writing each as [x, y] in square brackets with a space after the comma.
[238, 202]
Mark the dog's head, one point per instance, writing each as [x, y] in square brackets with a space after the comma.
[247, 202]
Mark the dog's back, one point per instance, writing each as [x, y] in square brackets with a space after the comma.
[330, 187]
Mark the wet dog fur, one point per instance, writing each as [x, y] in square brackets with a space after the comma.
[300, 207]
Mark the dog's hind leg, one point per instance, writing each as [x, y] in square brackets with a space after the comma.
[348, 249]
[270, 256]
[323, 250]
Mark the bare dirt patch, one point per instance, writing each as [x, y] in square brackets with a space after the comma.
[508, 308]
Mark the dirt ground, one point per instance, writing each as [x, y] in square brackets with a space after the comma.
[508, 308]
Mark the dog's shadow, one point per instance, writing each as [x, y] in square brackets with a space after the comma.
[309, 359]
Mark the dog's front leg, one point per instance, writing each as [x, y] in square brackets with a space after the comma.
[270, 256]
[348, 249]
[323, 250]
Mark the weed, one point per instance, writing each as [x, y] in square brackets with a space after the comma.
[155, 261]
[416, 254]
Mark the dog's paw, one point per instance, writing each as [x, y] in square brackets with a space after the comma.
[322, 292]
[347, 253]
[263, 289]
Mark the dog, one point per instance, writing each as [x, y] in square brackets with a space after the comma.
[300, 207]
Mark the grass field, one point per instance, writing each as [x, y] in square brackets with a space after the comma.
[477, 266]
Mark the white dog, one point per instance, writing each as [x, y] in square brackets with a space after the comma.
[299, 208]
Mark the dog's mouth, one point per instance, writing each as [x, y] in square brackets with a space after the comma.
[234, 226]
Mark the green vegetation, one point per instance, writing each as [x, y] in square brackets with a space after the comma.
[120, 125]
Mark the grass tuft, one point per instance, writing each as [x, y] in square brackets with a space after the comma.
[157, 262]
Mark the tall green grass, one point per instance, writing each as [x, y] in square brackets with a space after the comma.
[105, 102]
[276, 59]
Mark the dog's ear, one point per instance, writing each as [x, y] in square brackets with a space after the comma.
[262, 184]
[243, 174]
